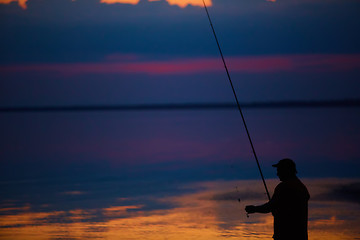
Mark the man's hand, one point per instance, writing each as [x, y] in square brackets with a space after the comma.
[250, 209]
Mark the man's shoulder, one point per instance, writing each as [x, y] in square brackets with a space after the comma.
[294, 183]
[280, 186]
[293, 187]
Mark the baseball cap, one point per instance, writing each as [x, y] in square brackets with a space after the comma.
[287, 164]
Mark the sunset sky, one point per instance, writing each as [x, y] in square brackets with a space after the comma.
[139, 52]
[66, 53]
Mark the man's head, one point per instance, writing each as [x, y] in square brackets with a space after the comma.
[286, 169]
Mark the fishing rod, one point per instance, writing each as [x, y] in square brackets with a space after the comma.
[237, 101]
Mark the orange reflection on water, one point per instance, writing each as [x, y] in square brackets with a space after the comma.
[212, 212]
[194, 222]
[26, 218]
[22, 3]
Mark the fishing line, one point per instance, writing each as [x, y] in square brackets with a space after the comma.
[237, 101]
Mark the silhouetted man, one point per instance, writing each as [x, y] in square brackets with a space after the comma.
[289, 204]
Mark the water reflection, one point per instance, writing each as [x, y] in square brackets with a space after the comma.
[205, 210]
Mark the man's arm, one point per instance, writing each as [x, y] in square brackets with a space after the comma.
[270, 205]
[265, 208]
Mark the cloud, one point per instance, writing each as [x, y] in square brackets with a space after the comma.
[180, 3]
[134, 2]
[237, 64]
[74, 193]
[12, 209]
[22, 3]
[184, 3]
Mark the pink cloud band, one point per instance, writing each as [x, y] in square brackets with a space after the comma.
[247, 64]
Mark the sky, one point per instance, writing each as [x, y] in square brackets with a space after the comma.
[91, 53]
[136, 52]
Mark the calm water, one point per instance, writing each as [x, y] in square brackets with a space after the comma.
[160, 161]
[119, 209]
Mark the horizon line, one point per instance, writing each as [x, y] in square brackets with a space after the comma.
[187, 106]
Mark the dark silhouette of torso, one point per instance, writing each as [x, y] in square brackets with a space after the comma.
[289, 206]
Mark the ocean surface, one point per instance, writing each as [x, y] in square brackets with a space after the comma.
[115, 208]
